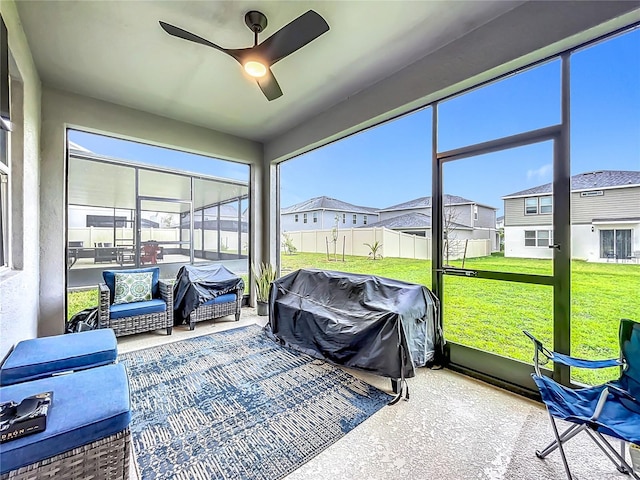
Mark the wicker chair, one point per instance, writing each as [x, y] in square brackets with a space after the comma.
[140, 321]
[210, 311]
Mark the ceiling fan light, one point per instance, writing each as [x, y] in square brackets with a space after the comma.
[255, 69]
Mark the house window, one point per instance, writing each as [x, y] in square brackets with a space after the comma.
[538, 238]
[615, 244]
[530, 206]
[355, 219]
[295, 218]
[344, 218]
[546, 205]
[304, 218]
[538, 205]
[475, 212]
[364, 219]
[315, 217]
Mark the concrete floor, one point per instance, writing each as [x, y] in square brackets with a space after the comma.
[453, 427]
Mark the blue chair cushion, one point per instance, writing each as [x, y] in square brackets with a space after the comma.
[43, 357]
[86, 406]
[109, 277]
[137, 308]
[226, 298]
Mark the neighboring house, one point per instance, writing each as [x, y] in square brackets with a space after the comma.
[605, 218]
[228, 218]
[320, 213]
[463, 219]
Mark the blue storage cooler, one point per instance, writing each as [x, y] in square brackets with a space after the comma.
[47, 356]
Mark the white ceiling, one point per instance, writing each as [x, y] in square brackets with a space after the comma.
[116, 51]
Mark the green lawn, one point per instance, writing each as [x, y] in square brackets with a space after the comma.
[491, 315]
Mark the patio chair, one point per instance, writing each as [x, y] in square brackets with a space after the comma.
[612, 409]
[127, 307]
[149, 254]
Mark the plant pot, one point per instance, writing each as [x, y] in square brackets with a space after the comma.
[263, 309]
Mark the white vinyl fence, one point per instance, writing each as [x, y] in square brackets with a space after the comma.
[394, 244]
[92, 235]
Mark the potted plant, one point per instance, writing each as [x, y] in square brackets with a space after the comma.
[263, 276]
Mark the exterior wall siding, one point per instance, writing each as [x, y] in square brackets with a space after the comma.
[514, 215]
[614, 203]
[462, 214]
[486, 217]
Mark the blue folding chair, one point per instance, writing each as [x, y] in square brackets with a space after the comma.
[612, 409]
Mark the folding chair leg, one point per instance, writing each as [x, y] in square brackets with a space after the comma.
[559, 441]
[568, 434]
[621, 464]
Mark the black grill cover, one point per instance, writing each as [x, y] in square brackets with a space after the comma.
[356, 320]
[197, 284]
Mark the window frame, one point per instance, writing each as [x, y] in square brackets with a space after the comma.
[614, 231]
[344, 218]
[314, 216]
[304, 218]
[550, 205]
[538, 205]
[537, 238]
[354, 220]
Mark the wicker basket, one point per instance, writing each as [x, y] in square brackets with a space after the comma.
[104, 459]
[137, 323]
[217, 310]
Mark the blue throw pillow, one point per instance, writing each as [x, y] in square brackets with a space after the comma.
[132, 287]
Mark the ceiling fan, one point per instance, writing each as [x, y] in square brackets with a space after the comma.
[257, 60]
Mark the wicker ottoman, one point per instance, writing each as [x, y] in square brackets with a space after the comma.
[87, 434]
[43, 357]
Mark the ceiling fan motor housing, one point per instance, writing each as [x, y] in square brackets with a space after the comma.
[256, 21]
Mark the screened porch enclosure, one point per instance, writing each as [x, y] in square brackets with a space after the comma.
[124, 215]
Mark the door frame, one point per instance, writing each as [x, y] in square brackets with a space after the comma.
[138, 229]
[504, 371]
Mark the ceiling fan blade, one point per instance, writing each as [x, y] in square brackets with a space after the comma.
[180, 33]
[291, 37]
[269, 86]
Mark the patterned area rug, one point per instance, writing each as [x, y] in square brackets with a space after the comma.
[237, 405]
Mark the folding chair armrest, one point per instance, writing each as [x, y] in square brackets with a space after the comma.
[570, 361]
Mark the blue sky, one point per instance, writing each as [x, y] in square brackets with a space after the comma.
[391, 163]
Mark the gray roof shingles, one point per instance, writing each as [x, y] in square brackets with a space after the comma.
[408, 220]
[327, 203]
[425, 202]
[588, 180]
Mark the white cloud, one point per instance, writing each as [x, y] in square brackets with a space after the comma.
[540, 173]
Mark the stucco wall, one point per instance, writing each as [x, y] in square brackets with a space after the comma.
[61, 110]
[585, 243]
[19, 285]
